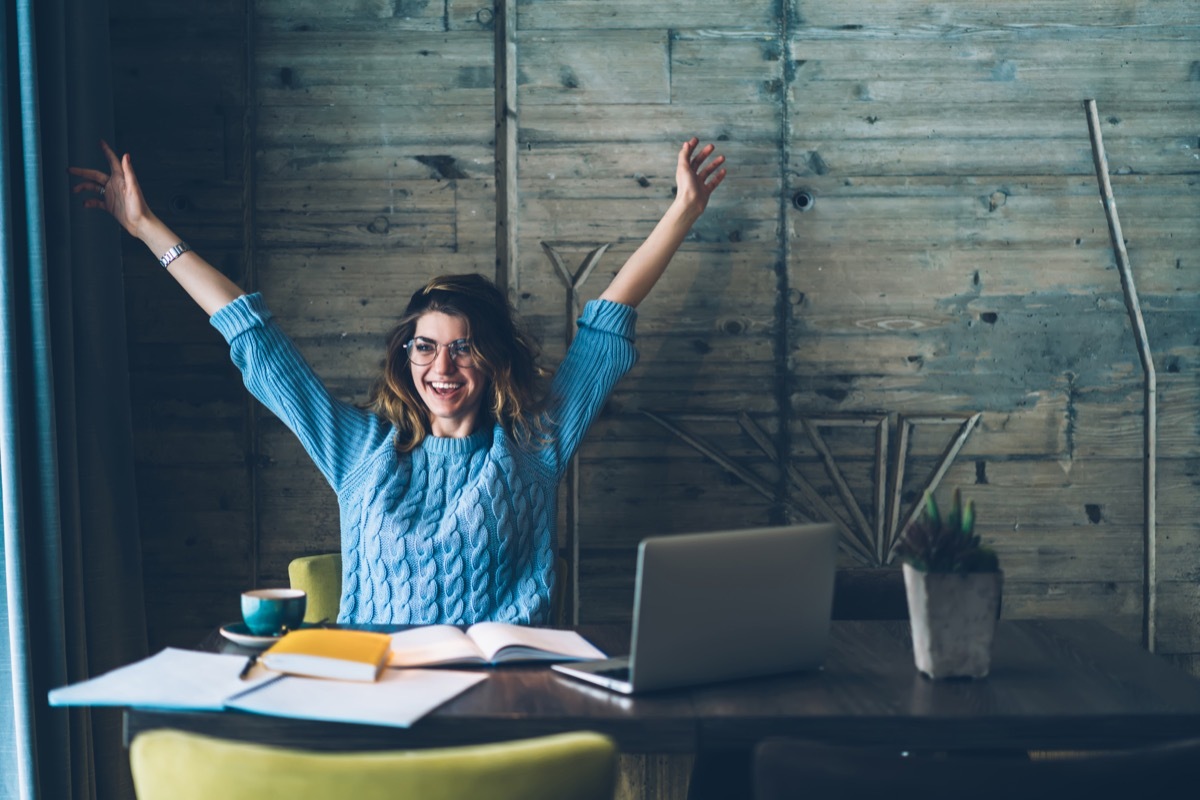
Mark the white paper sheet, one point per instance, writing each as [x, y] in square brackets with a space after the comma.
[398, 699]
[176, 679]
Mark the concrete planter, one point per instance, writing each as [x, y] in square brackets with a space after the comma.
[953, 618]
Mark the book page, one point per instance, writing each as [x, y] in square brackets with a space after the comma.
[433, 644]
[398, 699]
[502, 641]
[174, 678]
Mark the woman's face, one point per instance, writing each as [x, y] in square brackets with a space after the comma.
[452, 392]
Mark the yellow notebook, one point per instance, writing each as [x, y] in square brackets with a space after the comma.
[330, 653]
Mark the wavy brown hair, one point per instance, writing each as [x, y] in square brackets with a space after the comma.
[503, 351]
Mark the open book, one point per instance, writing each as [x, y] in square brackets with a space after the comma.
[487, 643]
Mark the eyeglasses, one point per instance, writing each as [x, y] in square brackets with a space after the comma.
[422, 351]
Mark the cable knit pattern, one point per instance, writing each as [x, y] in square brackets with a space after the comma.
[480, 560]
[543, 568]
[459, 530]
[520, 585]
[426, 610]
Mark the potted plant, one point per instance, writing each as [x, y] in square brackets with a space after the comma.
[953, 586]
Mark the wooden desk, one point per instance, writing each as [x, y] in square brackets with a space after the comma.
[1054, 685]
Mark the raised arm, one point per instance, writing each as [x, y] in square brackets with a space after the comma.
[119, 193]
[695, 178]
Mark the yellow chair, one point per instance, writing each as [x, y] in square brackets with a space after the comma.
[176, 765]
[320, 577]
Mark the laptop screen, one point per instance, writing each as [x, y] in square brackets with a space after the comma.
[731, 604]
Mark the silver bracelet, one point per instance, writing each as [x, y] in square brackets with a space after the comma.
[174, 253]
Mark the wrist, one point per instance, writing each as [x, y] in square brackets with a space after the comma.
[157, 237]
[147, 228]
[684, 212]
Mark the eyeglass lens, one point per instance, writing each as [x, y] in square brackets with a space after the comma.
[423, 351]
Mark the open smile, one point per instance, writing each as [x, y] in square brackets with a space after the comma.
[444, 388]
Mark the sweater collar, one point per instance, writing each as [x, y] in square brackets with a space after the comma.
[447, 446]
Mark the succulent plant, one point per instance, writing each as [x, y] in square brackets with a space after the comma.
[932, 543]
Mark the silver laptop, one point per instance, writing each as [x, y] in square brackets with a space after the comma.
[718, 606]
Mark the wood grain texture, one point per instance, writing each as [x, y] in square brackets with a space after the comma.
[578, 67]
[568, 15]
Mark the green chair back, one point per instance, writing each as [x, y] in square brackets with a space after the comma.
[321, 579]
[176, 765]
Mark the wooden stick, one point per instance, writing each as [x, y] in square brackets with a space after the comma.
[861, 528]
[1150, 435]
[505, 113]
[571, 478]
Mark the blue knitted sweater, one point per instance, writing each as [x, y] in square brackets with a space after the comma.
[458, 530]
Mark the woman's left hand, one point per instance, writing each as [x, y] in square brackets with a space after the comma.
[697, 175]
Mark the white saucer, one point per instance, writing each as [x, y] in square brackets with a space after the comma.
[238, 633]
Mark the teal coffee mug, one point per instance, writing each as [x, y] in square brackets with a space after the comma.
[270, 612]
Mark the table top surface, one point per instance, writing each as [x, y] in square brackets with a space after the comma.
[1054, 684]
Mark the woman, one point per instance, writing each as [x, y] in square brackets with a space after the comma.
[447, 482]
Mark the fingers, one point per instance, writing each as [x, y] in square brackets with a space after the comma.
[93, 182]
[127, 166]
[114, 163]
[715, 181]
[707, 170]
[87, 187]
[704, 153]
[93, 179]
[685, 153]
[694, 159]
[710, 168]
[85, 172]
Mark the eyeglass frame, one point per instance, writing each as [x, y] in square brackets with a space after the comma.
[458, 349]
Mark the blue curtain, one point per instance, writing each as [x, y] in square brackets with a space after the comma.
[70, 584]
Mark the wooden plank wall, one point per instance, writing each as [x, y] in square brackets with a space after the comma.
[951, 257]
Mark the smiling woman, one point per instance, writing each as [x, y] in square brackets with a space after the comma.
[447, 481]
[432, 388]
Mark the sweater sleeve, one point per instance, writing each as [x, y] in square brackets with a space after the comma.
[335, 434]
[600, 355]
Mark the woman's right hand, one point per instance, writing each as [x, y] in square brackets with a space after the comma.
[118, 191]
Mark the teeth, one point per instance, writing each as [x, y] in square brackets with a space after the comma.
[443, 386]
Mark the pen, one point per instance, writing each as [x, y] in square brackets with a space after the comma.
[250, 662]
